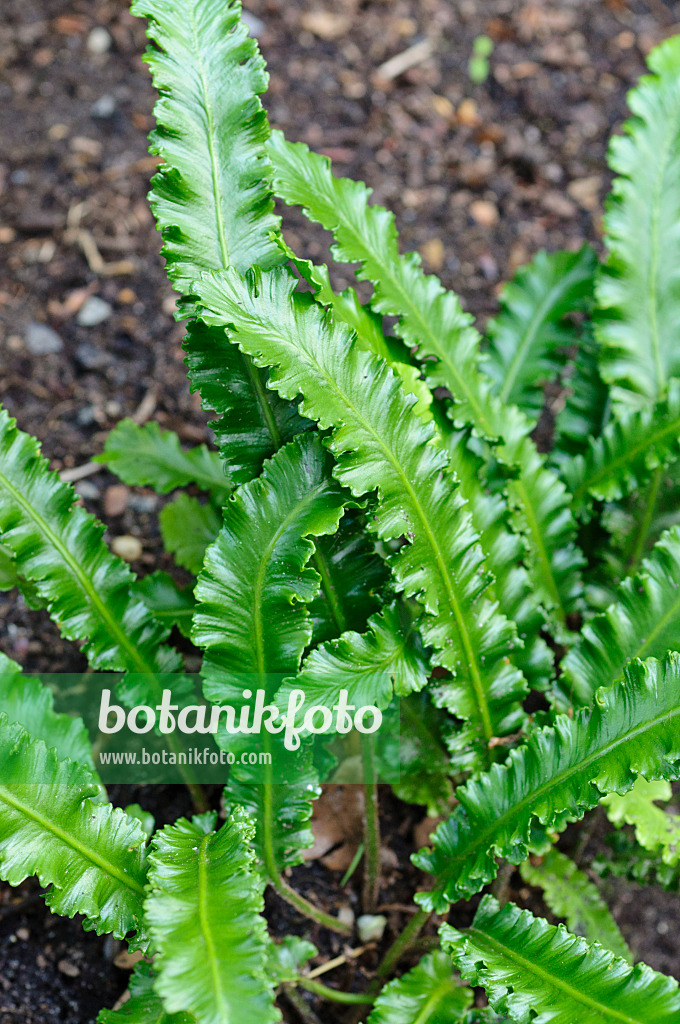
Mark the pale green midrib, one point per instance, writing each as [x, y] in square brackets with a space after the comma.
[83, 579]
[478, 686]
[328, 588]
[90, 855]
[214, 167]
[263, 401]
[647, 520]
[203, 892]
[436, 997]
[539, 318]
[532, 968]
[629, 455]
[658, 628]
[557, 780]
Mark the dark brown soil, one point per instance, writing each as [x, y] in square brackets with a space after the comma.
[480, 177]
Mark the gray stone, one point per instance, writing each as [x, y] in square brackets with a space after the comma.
[41, 340]
[104, 107]
[94, 311]
[91, 357]
[99, 40]
[254, 24]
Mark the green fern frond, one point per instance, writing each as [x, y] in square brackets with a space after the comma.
[149, 456]
[532, 970]
[586, 401]
[631, 447]
[212, 200]
[91, 854]
[643, 622]
[638, 288]
[527, 340]
[204, 915]
[427, 994]
[30, 703]
[59, 547]
[570, 894]
[143, 1006]
[431, 320]
[561, 772]
[378, 444]
[188, 526]
[169, 603]
[655, 828]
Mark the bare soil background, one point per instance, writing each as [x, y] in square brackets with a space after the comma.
[479, 176]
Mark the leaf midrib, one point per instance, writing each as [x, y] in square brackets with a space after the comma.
[90, 855]
[481, 835]
[630, 454]
[83, 579]
[532, 968]
[203, 889]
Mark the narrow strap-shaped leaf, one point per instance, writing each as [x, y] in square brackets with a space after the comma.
[59, 547]
[252, 621]
[212, 201]
[91, 854]
[655, 828]
[143, 1006]
[204, 913]
[427, 994]
[561, 772]
[379, 444]
[30, 703]
[251, 616]
[586, 401]
[528, 338]
[188, 526]
[534, 971]
[631, 447]
[431, 320]
[147, 455]
[638, 289]
[643, 622]
[570, 894]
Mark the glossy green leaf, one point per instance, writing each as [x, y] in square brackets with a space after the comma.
[528, 338]
[59, 547]
[570, 894]
[91, 854]
[638, 289]
[427, 994]
[204, 912]
[643, 622]
[536, 972]
[378, 444]
[166, 600]
[188, 526]
[149, 456]
[432, 321]
[30, 703]
[631, 447]
[561, 772]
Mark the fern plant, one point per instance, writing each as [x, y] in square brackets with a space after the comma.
[375, 519]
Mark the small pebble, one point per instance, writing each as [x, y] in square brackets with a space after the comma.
[41, 340]
[93, 311]
[115, 499]
[484, 213]
[69, 969]
[23, 934]
[104, 107]
[371, 927]
[99, 41]
[92, 358]
[346, 916]
[254, 25]
[127, 547]
[87, 490]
